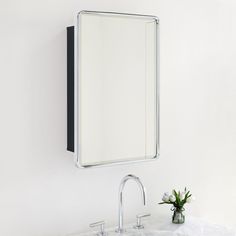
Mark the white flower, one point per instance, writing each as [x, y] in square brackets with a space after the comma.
[167, 194]
[172, 198]
[182, 196]
[165, 197]
[190, 199]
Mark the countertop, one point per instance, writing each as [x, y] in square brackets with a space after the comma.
[161, 227]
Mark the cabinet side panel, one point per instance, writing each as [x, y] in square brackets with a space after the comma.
[70, 88]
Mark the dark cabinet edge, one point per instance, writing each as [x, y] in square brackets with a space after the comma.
[70, 89]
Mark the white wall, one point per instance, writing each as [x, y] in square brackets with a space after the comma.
[41, 192]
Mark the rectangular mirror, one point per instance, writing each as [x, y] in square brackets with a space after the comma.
[116, 88]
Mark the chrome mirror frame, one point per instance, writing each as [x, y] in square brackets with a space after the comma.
[76, 96]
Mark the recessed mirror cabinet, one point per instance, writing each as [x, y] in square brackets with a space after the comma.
[113, 88]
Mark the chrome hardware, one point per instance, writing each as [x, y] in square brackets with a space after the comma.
[139, 221]
[121, 211]
[102, 228]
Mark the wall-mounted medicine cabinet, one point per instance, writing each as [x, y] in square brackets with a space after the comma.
[113, 88]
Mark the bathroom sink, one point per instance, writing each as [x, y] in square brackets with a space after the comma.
[192, 227]
[160, 226]
[132, 233]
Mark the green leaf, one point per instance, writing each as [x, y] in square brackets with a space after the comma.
[176, 195]
[165, 203]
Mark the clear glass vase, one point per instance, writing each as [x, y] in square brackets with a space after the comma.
[178, 216]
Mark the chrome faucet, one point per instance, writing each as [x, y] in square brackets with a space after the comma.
[122, 184]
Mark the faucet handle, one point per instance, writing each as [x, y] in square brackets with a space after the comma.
[139, 219]
[102, 227]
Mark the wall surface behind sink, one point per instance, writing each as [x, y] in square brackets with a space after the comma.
[41, 191]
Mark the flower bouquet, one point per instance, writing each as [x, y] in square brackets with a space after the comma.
[178, 200]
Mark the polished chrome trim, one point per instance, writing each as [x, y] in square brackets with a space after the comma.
[120, 228]
[157, 88]
[76, 97]
[115, 163]
[77, 100]
[139, 221]
[101, 224]
[119, 13]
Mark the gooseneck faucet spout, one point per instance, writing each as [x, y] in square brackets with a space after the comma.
[121, 212]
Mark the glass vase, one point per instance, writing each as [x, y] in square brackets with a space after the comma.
[178, 216]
